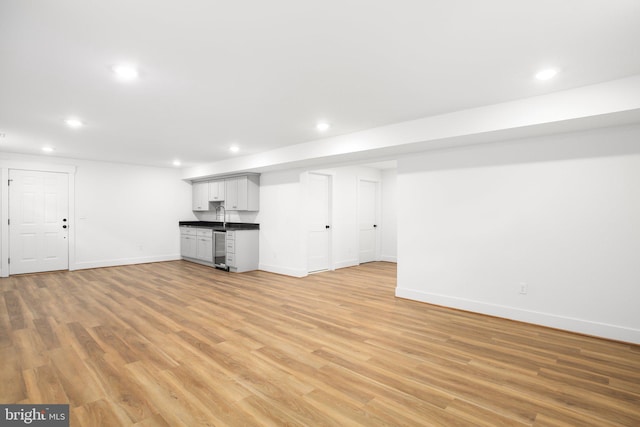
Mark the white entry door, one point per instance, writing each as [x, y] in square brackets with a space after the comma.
[318, 220]
[367, 220]
[38, 221]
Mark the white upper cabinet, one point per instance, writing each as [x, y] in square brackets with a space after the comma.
[239, 193]
[200, 200]
[242, 193]
[231, 202]
[216, 190]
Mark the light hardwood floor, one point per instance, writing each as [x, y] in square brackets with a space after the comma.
[175, 343]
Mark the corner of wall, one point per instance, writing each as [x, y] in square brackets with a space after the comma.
[345, 263]
[286, 271]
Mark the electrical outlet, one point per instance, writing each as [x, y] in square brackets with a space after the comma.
[523, 288]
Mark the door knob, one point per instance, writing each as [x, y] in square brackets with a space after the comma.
[64, 226]
[327, 226]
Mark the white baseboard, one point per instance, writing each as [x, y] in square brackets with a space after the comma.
[345, 264]
[123, 261]
[295, 272]
[389, 258]
[604, 330]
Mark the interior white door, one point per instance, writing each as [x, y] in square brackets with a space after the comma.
[367, 220]
[38, 221]
[318, 220]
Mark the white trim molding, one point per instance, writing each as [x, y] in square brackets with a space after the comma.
[286, 271]
[124, 261]
[587, 327]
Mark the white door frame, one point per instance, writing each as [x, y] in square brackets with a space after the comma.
[5, 166]
[378, 213]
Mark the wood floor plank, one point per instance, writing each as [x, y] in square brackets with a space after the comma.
[155, 420]
[30, 347]
[204, 369]
[345, 410]
[12, 384]
[14, 310]
[46, 333]
[180, 344]
[5, 325]
[80, 383]
[480, 416]
[214, 393]
[101, 413]
[43, 385]
[173, 401]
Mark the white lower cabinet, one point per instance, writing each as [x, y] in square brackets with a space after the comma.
[239, 247]
[196, 243]
[204, 247]
[188, 242]
[242, 250]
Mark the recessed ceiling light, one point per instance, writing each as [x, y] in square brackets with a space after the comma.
[546, 74]
[234, 148]
[177, 163]
[323, 126]
[74, 123]
[125, 72]
[48, 149]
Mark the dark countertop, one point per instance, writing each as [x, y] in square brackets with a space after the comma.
[217, 225]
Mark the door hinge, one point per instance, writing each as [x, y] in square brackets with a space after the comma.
[9, 182]
[8, 221]
[9, 261]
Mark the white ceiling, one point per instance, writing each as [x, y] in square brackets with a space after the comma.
[261, 74]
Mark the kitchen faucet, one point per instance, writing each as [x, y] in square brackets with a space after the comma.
[224, 215]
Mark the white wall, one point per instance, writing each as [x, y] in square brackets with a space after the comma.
[282, 249]
[128, 214]
[282, 218]
[560, 213]
[389, 231]
[124, 214]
